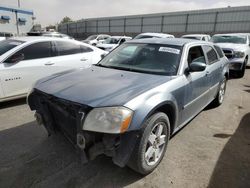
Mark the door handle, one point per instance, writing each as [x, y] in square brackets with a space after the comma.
[84, 59]
[208, 73]
[49, 63]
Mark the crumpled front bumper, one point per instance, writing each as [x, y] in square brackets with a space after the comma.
[236, 64]
[61, 116]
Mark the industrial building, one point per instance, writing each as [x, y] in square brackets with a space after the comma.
[210, 21]
[15, 21]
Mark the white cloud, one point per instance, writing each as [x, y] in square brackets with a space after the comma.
[51, 12]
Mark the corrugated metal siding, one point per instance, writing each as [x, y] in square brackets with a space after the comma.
[232, 19]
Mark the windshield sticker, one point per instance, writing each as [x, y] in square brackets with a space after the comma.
[169, 50]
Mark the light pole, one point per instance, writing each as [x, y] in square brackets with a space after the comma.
[19, 3]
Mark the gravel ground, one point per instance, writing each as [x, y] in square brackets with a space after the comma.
[213, 150]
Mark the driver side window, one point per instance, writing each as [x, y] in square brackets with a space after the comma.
[35, 51]
[196, 54]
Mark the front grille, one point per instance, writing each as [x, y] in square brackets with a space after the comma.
[65, 118]
[228, 53]
[65, 114]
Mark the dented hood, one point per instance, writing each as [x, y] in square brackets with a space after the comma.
[98, 86]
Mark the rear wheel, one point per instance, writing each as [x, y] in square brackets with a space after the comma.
[221, 93]
[152, 145]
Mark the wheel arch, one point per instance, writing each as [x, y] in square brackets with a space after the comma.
[170, 109]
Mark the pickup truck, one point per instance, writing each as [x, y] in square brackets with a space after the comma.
[236, 47]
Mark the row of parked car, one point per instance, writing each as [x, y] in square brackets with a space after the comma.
[236, 46]
[125, 104]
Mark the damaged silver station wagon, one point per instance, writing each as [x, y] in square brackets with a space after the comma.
[130, 103]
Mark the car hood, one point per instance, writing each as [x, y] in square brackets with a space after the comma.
[98, 86]
[232, 46]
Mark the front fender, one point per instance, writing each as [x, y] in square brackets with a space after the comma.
[144, 109]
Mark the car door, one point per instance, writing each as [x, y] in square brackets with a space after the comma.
[72, 55]
[17, 77]
[213, 70]
[197, 85]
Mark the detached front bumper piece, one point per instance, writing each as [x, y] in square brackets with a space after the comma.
[62, 116]
[236, 66]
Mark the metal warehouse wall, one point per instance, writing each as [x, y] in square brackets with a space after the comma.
[231, 19]
[13, 24]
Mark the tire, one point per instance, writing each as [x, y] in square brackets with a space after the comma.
[152, 143]
[221, 93]
[241, 73]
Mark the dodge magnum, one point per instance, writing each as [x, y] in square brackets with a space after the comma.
[129, 104]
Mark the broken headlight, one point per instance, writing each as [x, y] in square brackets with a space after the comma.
[108, 120]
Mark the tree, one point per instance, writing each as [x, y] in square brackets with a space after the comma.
[66, 19]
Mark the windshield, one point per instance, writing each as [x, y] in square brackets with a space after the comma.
[92, 37]
[145, 58]
[145, 37]
[111, 41]
[7, 45]
[241, 39]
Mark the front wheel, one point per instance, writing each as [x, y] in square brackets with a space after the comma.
[221, 93]
[152, 145]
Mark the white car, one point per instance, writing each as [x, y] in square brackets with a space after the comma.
[197, 37]
[153, 35]
[56, 34]
[2, 38]
[112, 42]
[96, 39]
[24, 60]
[236, 47]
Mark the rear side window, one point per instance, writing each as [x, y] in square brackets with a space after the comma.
[211, 54]
[37, 51]
[68, 48]
[219, 51]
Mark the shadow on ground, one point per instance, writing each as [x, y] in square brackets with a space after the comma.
[28, 158]
[13, 103]
[233, 166]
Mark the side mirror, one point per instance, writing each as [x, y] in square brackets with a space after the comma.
[15, 58]
[103, 55]
[197, 67]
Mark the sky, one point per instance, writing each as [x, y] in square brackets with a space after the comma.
[52, 11]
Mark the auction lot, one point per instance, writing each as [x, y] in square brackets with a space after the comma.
[213, 150]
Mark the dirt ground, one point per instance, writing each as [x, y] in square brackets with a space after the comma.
[213, 150]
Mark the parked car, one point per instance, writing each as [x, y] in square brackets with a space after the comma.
[112, 42]
[130, 103]
[96, 39]
[236, 47]
[197, 37]
[153, 35]
[24, 60]
[56, 34]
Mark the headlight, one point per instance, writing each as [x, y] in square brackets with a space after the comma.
[108, 120]
[239, 54]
